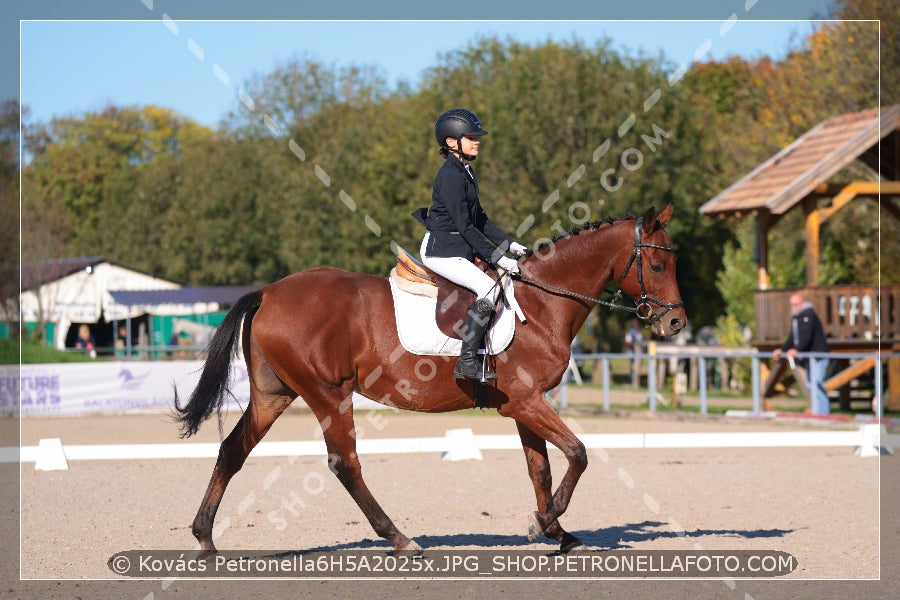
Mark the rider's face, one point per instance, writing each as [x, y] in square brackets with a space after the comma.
[470, 144]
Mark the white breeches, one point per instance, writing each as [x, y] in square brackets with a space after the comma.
[460, 271]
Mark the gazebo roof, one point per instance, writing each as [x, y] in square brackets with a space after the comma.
[792, 174]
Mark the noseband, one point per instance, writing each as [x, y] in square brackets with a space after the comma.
[642, 308]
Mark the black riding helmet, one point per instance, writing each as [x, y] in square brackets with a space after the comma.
[455, 123]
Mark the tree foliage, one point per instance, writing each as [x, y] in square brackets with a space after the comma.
[9, 208]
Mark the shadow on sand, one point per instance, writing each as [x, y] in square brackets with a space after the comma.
[604, 539]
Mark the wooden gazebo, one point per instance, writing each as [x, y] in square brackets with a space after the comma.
[857, 318]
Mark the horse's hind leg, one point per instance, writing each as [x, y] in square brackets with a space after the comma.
[336, 419]
[536, 457]
[253, 425]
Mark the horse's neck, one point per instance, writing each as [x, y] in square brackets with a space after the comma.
[582, 264]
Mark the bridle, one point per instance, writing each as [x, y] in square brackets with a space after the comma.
[642, 308]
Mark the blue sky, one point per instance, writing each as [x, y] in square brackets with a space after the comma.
[198, 67]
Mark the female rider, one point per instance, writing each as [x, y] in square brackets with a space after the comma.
[459, 230]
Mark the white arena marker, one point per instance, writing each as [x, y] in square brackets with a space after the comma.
[462, 445]
[51, 456]
[871, 439]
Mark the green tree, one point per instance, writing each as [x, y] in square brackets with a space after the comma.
[226, 223]
[857, 39]
[75, 160]
[9, 208]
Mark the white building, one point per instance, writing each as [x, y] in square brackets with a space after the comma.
[67, 291]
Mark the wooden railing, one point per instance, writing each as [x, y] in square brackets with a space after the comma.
[853, 314]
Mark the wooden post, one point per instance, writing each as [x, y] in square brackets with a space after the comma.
[811, 214]
[693, 374]
[762, 249]
[771, 377]
[849, 373]
[893, 373]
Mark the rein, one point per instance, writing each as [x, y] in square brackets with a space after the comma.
[642, 308]
[611, 304]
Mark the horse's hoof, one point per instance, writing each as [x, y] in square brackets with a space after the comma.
[569, 543]
[410, 549]
[535, 527]
[206, 553]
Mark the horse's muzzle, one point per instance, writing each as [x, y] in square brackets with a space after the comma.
[669, 324]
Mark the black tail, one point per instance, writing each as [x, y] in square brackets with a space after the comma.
[215, 378]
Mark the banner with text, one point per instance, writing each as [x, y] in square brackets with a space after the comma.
[68, 389]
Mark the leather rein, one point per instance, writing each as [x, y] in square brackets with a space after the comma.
[642, 309]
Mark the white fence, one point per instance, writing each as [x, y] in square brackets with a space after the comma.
[701, 358]
[68, 389]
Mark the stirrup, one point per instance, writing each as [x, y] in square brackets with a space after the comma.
[473, 369]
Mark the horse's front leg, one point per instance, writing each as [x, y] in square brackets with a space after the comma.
[536, 416]
[538, 463]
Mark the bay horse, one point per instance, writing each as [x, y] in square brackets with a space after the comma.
[324, 333]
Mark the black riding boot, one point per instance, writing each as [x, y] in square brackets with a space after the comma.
[469, 366]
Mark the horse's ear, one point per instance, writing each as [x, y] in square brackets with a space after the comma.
[665, 215]
[650, 220]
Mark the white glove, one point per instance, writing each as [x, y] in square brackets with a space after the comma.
[518, 249]
[508, 264]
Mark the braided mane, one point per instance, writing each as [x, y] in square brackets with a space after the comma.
[579, 228]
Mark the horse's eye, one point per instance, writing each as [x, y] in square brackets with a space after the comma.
[656, 268]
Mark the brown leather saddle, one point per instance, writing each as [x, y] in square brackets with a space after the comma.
[453, 300]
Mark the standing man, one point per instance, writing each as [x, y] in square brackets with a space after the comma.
[807, 335]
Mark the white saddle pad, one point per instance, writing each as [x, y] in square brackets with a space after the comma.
[419, 333]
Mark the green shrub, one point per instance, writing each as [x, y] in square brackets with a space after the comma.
[35, 354]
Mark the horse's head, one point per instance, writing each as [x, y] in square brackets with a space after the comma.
[648, 274]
